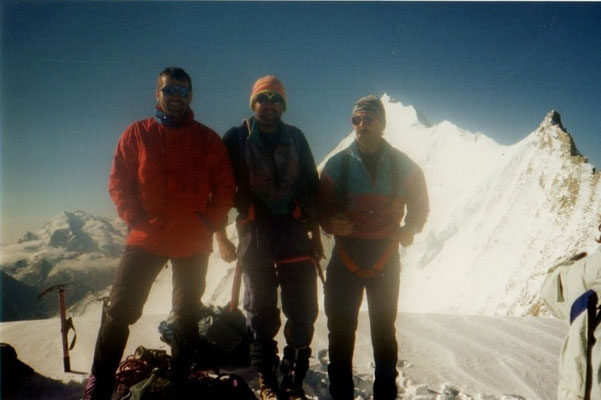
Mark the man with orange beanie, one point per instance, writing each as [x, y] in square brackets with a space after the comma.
[278, 233]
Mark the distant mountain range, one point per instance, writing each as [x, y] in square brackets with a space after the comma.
[73, 248]
[501, 216]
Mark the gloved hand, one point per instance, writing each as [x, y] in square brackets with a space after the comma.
[340, 224]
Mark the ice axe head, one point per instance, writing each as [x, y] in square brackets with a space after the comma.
[60, 287]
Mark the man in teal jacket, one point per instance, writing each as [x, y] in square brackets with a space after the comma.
[364, 192]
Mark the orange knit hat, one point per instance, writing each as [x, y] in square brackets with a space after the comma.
[268, 84]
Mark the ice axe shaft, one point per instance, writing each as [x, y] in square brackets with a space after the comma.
[236, 287]
[66, 324]
[64, 329]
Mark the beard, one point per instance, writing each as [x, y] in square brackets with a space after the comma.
[369, 141]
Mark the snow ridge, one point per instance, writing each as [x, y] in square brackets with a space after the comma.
[500, 216]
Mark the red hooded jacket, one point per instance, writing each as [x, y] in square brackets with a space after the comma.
[173, 186]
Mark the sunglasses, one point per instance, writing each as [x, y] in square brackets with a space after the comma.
[366, 119]
[273, 98]
[173, 90]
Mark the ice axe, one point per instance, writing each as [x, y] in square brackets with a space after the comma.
[66, 324]
[236, 287]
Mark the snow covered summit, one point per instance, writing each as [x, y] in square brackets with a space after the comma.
[81, 232]
[500, 216]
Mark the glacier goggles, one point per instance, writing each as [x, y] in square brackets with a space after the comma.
[274, 98]
[172, 90]
[366, 119]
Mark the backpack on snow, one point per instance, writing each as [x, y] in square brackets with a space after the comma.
[145, 375]
[224, 339]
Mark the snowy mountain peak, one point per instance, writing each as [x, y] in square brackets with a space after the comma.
[397, 113]
[28, 237]
[80, 232]
[552, 136]
[552, 119]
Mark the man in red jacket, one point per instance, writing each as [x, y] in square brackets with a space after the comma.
[172, 183]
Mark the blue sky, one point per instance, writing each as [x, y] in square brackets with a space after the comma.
[75, 74]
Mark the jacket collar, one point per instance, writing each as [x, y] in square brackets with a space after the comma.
[166, 120]
[255, 134]
[384, 150]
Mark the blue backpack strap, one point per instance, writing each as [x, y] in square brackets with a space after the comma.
[587, 302]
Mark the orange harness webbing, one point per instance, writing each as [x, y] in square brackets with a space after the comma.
[303, 258]
[370, 272]
[238, 276]
[296, 213]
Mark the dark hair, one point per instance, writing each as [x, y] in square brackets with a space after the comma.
[599, 239]
[178, 74]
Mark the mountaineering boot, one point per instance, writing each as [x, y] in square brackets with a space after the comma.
[264, 359]
[342, 386]
[111, 341]
[183, 347]
[294, 367]
[385, 382]
[268, 385]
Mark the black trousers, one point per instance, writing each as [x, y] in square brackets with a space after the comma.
[135, 275]
[262, 244]
[342, 299]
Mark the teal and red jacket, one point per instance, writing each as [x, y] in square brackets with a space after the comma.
[376, 212]
[172, 185]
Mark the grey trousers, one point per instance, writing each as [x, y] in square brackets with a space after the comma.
[135, 275]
